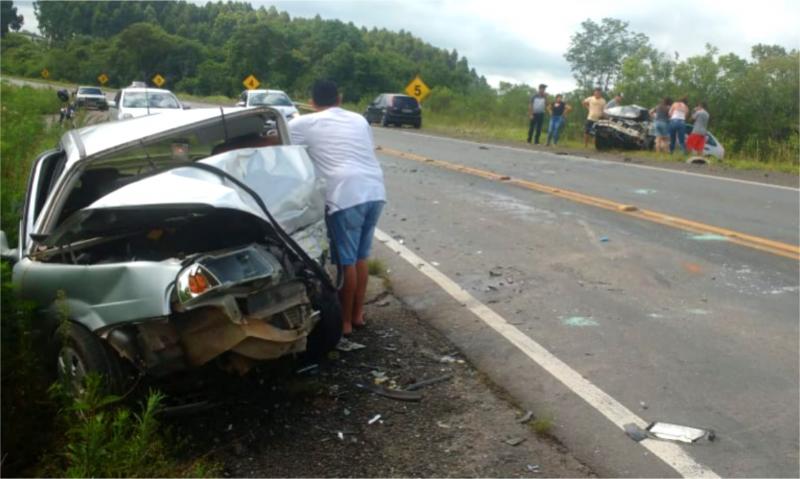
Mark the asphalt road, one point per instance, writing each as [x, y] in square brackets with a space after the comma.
[677, 326]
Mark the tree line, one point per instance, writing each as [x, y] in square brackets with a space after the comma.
[209, 49]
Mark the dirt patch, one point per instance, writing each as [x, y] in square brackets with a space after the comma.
[319, 423]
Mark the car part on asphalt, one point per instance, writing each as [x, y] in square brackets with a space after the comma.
[675, 432]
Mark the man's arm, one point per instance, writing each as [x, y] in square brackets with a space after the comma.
[530, 108]
[567, 108]
[585, 103]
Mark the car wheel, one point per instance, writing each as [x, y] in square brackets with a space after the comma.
[602, 143]
[418, 124]
[81, 354]
[384, 121]
[328, 331]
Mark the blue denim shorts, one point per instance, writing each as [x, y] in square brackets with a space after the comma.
[662, 128]
[351, 231]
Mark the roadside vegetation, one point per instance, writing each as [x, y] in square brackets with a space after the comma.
[205, 51]
[44, 431]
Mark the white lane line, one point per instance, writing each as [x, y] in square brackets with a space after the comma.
[670, 453]
[604, 162]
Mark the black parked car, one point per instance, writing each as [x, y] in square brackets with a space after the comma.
[396, 109]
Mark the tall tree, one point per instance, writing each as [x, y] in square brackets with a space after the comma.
[597, 51]
[9, 18]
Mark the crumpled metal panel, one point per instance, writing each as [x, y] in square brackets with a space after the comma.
[103, 294]
[283, 176]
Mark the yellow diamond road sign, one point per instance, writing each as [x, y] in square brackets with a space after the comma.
[159, 80]
[251, 82]
[102, 78]
[45, 73]
[418, 89]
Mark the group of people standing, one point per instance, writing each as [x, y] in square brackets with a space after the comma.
[558, 111]
[670, 123]
[669, 118]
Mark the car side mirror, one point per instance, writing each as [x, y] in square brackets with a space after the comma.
[6, 253]
[241, 103]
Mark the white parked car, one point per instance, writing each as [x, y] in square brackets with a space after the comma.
[275, 98]
[136, 102]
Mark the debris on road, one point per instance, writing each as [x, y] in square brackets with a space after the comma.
[428, 382]
[675, 432]
[395, 394]
[307, 368]
[697, 160]
[604, 239]
[345, 345]
[374, 419]
[635, 432]
[643, 405]
[514, 441]
[525, 417]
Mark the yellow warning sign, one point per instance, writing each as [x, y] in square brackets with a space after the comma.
[45, 73]
[158, 80]
[102, 78]
[418, 89]
[251, 82]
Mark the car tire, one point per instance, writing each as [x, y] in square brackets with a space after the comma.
[328, 331]
[602, 143]
[81, 353]
[418, 124]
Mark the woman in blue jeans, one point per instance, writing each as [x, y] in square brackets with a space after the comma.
[677, 124]
[558, 111]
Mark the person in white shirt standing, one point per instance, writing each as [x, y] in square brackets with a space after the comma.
[340, 145]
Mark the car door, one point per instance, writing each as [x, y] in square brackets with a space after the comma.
[44, 174]
[374, 110]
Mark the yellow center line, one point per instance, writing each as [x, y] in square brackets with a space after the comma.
[750, 241]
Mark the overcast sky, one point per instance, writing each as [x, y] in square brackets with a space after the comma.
[524, 42]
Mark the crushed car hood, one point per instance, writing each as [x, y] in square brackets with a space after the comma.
[282, 176]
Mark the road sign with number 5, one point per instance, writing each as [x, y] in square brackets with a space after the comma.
[418, 89]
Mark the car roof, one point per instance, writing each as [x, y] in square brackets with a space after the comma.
[88, 86]
[105, 138]
[149, 90]
[267, 91]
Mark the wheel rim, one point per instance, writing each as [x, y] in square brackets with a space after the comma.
[72, 370]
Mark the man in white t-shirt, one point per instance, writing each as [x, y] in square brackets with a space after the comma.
[341, 147]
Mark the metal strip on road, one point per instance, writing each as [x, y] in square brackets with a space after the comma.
[619, 415]
[742, 239]
[574, 157]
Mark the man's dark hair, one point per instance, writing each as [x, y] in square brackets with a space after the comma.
[325, 93]
[703, 104]
[542, 86]
[599, 89]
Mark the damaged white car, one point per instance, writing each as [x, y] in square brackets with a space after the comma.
[174, 241]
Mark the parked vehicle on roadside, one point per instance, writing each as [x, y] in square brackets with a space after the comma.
[275, 98]
[394, 109]
[91, 97]
[160, 245]
[629, 127]
[136, 102]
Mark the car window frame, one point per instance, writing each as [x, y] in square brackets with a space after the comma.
[38, 186]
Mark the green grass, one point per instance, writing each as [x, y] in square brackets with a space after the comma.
[212, 100]
[24, 136]
[542, 426]
[43, 435]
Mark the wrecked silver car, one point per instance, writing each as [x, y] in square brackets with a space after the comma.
[173, 241]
